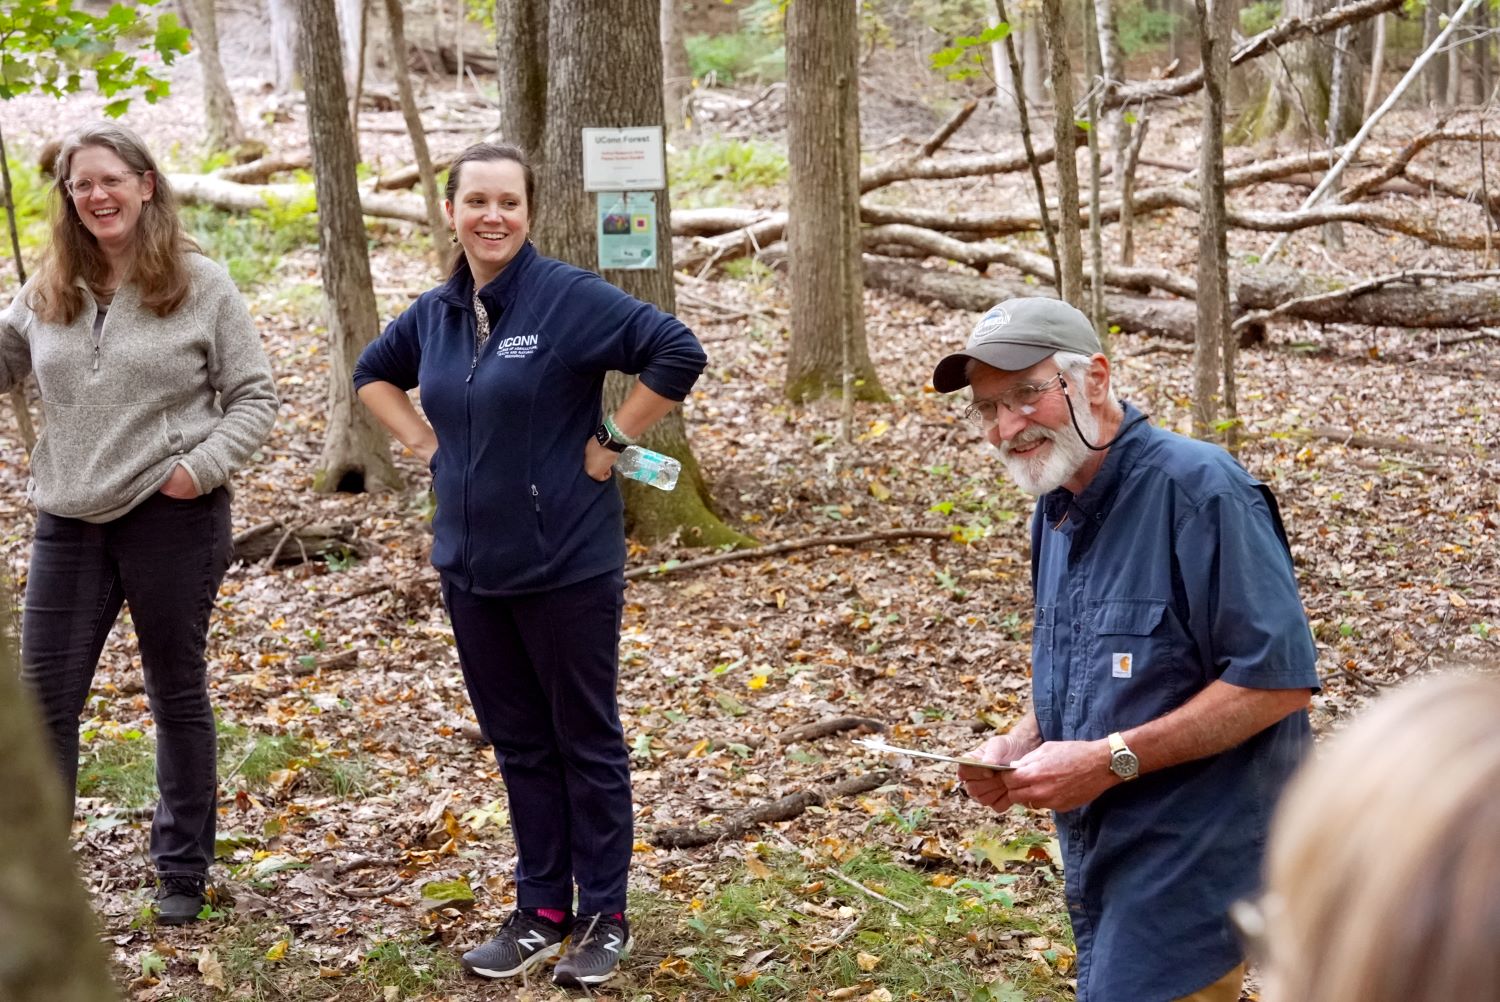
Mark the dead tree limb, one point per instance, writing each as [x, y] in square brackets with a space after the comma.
[1455, 299]
[785, 809]
[275, 543]
[260, 171]
[832, 725]
[880, 535]
[1267, 41]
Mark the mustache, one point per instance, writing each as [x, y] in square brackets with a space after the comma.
[1030, 436]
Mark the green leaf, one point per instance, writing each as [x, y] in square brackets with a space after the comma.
[117, 108]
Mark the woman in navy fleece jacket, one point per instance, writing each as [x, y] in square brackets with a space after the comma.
[510, 354]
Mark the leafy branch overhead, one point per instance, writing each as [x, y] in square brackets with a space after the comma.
[51, 46]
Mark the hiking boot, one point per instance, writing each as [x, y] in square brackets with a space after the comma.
[596, 946]
[179, 898]
[525, 940]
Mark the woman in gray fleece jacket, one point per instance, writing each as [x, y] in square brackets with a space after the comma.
[154, 389]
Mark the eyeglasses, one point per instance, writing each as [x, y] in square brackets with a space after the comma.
[83, 187]
[984, 413]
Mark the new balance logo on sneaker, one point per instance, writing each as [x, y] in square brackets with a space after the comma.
[524, 941]
[596, 946]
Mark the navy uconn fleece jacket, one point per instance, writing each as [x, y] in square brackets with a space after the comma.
[516, 512]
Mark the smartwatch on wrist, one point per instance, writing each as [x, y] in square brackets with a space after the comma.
[606, 437]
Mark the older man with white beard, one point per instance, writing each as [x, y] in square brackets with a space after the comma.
[1172, 664]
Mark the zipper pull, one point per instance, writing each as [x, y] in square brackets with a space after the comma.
[536, 502]
[96, 356]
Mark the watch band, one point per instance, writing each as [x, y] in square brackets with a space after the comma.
[603, 437]
[1117, 743]
[1122, 761]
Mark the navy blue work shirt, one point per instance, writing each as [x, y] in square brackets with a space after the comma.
[1169, 571]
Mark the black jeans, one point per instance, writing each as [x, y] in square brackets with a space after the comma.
[541, 671]
[166, 558]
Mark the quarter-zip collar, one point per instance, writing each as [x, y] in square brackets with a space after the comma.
[498, 294]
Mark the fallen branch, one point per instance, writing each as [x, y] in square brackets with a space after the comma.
[785, 809]
[832, 872]
[788, 546]
[1323, 302]
[260, 171]
[269, 541]
[1456, 300]
[1377, 443]
[832, 725]
[1117, 94]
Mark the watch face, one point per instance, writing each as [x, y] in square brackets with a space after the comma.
[1124, 764]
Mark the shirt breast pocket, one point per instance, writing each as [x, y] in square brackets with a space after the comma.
[1133, 674]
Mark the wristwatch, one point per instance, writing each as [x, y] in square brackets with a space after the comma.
[1122, 761]
[607, 439]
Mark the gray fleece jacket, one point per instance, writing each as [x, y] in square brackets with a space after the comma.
[193, 388]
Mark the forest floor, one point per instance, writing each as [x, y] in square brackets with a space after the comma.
[363, 828]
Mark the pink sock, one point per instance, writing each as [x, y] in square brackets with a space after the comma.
[553, 915]
[618, 915]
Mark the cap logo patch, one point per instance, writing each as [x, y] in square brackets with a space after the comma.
[992, 321]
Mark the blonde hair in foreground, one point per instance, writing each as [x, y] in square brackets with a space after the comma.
[1384, 859]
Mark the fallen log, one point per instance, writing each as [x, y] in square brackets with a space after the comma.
[205, 189]
[275, 544]
[260, 171]
[785, 809]
[1452, 302]
[786, 546]
[832, 725]
[1174, 319]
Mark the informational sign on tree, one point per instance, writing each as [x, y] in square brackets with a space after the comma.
[623, 159]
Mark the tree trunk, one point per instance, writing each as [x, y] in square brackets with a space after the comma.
[1006, 96]
[284, 45]
[1211, 350]
[1377, 68]
[396, 21]
[585, 88]
[1112, 69]
[221, 123]
[1033, 64]
[1453, 95]
[677, 76]
[51, 946]
[1070, 239]
[1095, 69]
[1295, 101]
[521, 40]
[1482, 70]
[355, 454]
[827, 318]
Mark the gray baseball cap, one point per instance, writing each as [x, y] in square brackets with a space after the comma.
[1016, 335]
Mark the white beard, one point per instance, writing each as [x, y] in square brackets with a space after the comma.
[1044, 473]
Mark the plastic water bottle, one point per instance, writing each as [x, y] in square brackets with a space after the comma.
[648, 467]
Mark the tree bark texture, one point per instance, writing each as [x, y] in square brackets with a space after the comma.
[355, 454]
[222, 128]
[521, 46]
[284, 45]
[1069, 235]
[49, 946]
[677, 76]
[1211, 347]
[397, 23]
[1008, 95]
[585, 88]
[827, 318]
[1297, 97]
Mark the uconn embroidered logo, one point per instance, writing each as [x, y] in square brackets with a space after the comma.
[517, 346]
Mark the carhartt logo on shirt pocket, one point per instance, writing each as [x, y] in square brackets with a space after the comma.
[1120, 665]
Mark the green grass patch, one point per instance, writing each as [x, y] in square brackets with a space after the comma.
[119, 765]
[719, 171]
[264, 962]
[741, 57]
[929, 940]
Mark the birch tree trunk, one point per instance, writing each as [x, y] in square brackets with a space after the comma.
[1377, 67]
[395, 20]
[521, 40]
[827, 318]
[49, 946]
[586, 88]
[1213, 349]
[1069, 237]
[284, 47]
[1112, 68]
[221, 123]
[1006, 95]
[355, 455]
[1033, 64]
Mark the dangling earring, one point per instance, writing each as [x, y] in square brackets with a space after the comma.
[453, 238]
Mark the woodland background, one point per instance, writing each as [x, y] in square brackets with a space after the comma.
[863, 559]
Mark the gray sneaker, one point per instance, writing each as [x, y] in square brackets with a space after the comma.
[596, 946]
[524, 941]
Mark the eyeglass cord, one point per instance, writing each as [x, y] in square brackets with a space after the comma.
[1096, 448]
